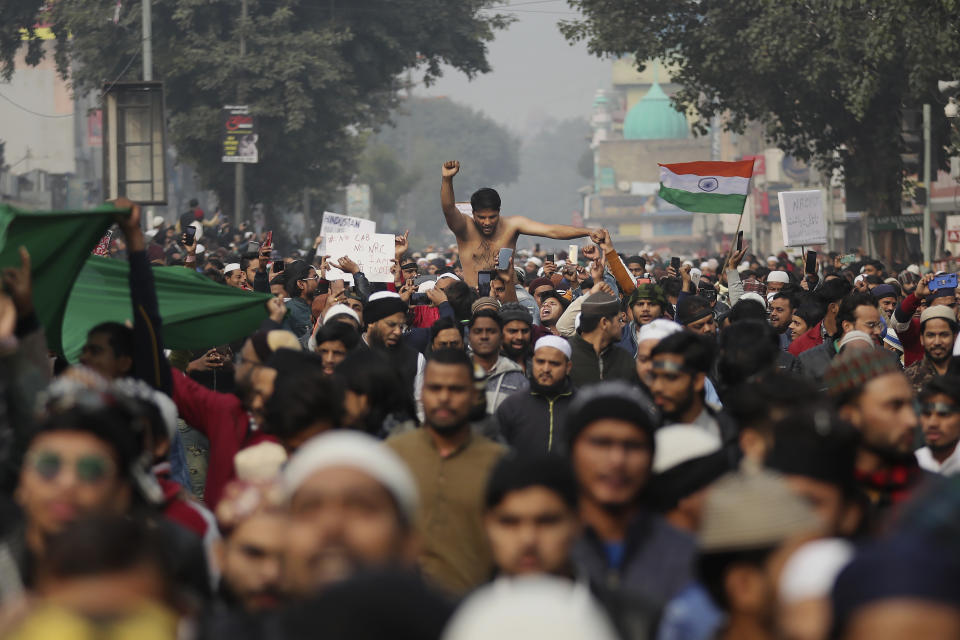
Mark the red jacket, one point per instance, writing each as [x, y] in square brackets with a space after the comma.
[222, 418]
[908, 329]
[808, 340]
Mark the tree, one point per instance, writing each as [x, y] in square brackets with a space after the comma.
[426, 132]
[316, 74]
[828, 78]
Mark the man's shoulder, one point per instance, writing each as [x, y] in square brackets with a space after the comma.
[407, 442]
[486, 449]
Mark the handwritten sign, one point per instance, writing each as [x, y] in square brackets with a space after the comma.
[801, 218]
[339, 223]
[373, 253]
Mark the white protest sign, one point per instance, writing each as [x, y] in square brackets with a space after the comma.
[801, 218]
[373, 253]
[339, 223]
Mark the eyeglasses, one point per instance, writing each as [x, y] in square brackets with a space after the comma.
[89, 469]
[873, 325]
[315, 277]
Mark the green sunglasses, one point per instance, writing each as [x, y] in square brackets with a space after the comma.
[89, 469]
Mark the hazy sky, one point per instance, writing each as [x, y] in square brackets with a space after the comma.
[536, 73]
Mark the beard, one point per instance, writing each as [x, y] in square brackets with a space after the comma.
[514, 353]
[548, 390]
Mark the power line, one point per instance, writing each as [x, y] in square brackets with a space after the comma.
[72, 113]
[32, 112]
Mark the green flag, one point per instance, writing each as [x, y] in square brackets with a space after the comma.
[196, 311]
[59, 243]
[73, 291]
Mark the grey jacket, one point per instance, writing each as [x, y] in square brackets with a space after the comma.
[505, 379]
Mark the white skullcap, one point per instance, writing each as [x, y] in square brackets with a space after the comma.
[812, 569]
[447, 275]
[704, 265]
[340, 310]
[657, 330]
[200, 248]
[158, 221]
[541, 606]
[535, 260]
[687, 263]
[753, 295]
[557, 343]
[772, 259]
[426, 285]
[342, 448]
[778, 276]
[743, 266]
[679, 443]
[433, 256]
[233, 266]
[853, 336]
[914, 269]
[713, 264]
[259, 463]
[380, 295]
[859, 279]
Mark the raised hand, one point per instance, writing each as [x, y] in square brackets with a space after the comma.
[737, 257]
[18, 283]
[210, 360]
[276, 309]
[347, 265]
[450, 168]
[401, 243]
[590, 252]
[923, 287]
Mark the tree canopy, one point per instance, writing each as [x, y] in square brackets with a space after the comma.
[828, 78]
[315, 74]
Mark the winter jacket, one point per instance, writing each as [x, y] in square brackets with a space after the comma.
[908, 329]
[532, 423]
[816, 361]
[657, 560]
[807, 340]
[505, 379]
[298, 318]
[613, 363]
[222, 418]
[628, 338]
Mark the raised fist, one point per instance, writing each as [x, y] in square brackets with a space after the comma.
[450, 168]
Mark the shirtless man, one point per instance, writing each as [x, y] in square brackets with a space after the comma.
[481, 238]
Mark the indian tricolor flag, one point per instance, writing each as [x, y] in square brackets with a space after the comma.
[706, 187]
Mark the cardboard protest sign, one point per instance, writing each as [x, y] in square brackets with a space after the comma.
[339, 223]
[373, 253]
[802, 220]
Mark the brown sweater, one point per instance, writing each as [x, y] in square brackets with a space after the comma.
[454, 553]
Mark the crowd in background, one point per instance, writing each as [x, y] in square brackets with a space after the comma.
[595, 446]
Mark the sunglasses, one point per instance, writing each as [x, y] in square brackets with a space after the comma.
[89, 469]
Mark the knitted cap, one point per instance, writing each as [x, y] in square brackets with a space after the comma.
[612, 399]
[853, 369]
[600, 304]
[382, 304]
[515, 311]
[485, 302]
[648, 292]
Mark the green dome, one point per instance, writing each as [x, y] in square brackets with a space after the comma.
[654, 118]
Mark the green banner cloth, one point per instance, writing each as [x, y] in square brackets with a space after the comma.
[59, 243]
[74, 291]
[196, 311]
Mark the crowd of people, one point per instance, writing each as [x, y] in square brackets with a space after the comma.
[520, 444]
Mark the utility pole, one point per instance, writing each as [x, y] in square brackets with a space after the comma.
[238, 191]
[146, 18]
[927, 249]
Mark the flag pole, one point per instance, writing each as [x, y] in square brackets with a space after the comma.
[740, 221]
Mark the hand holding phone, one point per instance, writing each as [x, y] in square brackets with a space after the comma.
[675, 263]
[503, 259]
[483, 283]
[945, 281]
